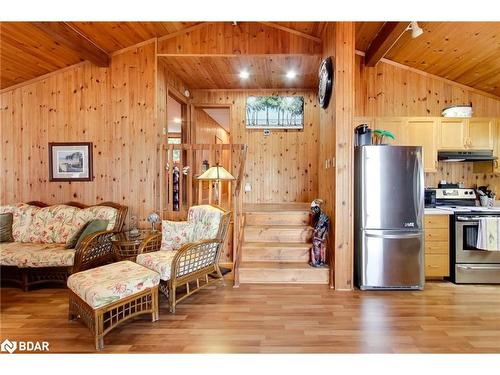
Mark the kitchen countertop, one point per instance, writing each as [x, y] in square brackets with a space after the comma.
[452, 210]
[437, 211]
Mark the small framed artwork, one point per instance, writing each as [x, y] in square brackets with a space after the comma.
[70, 161]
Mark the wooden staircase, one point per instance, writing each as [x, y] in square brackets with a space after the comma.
[276, 245]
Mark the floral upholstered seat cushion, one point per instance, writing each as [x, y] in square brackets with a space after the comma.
[97, 213]
[35, 255]
[206, 221]
[202, 224]
[175, 234]
[104, 285]
[158, 261]
[54, 224]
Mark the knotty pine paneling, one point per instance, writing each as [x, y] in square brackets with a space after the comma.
[245, 38]
[389, 90]
[207, 129]
[111, 107]
[463, 172]
[282, 167]
[326, 163]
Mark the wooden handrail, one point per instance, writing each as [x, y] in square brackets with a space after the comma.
[239, 218]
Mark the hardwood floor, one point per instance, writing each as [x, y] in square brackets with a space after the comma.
[277, 319]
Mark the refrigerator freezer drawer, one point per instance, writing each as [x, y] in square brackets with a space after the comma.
[391, 260]
[477, 273]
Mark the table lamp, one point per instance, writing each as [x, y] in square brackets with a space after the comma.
[216, 174]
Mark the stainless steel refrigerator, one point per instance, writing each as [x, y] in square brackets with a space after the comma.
[388, 220]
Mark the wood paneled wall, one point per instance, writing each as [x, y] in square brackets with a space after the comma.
[392, 90]
[326, 172]
[207, 129]
[111, 107]
[282, 167]
[245, 38]
[463, 172]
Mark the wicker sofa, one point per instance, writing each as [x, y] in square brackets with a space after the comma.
[190, 252]
[39, 254]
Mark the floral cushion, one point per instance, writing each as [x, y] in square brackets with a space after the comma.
[206, 221]
[202, 224]
[104, 285]
[174, 234]
[35, 255]
[158, 261]
[54, 224]
[97, 213]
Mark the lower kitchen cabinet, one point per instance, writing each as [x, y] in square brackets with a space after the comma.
[437, 245]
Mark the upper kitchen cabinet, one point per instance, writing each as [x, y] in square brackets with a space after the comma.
[466, 134]
[481, 134]
[452, 134]
[396, 125]
[422, 131]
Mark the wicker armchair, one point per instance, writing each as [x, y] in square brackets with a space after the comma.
[195, 265]
[93, 251]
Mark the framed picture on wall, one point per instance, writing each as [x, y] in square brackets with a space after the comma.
[70, 161]
[275, 112]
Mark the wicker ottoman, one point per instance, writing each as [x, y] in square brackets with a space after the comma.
[107, 296]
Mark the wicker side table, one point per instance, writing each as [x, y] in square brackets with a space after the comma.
[127, 247]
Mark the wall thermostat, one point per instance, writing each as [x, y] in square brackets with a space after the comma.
[267, 132]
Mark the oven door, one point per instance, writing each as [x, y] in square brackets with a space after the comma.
[466, 239]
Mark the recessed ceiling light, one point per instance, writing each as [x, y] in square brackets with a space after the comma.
[177, 120]
[291, 74]
[244, 74]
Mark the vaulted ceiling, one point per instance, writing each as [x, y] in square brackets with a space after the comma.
[465, 52]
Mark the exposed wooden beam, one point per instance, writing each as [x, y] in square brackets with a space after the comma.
[185, 30]
[67, 35]
[383, 42]
[292, 31]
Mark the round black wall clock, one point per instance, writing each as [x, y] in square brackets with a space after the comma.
[325, 82]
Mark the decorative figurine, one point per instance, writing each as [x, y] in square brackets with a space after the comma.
[321, 224]
[153, 218]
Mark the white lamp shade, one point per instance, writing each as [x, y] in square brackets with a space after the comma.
[216, 173]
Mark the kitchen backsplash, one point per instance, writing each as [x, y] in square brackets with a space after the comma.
[463, 172]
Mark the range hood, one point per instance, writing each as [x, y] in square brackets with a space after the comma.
[466, 156]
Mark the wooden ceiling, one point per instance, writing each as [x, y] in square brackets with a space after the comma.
[222, 72]
[468, 53]
[464, 52]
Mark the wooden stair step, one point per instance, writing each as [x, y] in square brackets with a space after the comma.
[276, 251]
[277, 218]
[282, 272]
[276, 207]
[278, 233]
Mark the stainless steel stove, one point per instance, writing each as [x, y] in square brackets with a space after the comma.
[468, 264]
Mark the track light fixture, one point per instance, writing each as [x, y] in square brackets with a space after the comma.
[416, 30]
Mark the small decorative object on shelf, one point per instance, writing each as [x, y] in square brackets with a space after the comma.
[321, 224]
[204, 166]
[134, 232]
[153, 218]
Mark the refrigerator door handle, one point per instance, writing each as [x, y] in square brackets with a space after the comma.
[418, 176]
[377, 234]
